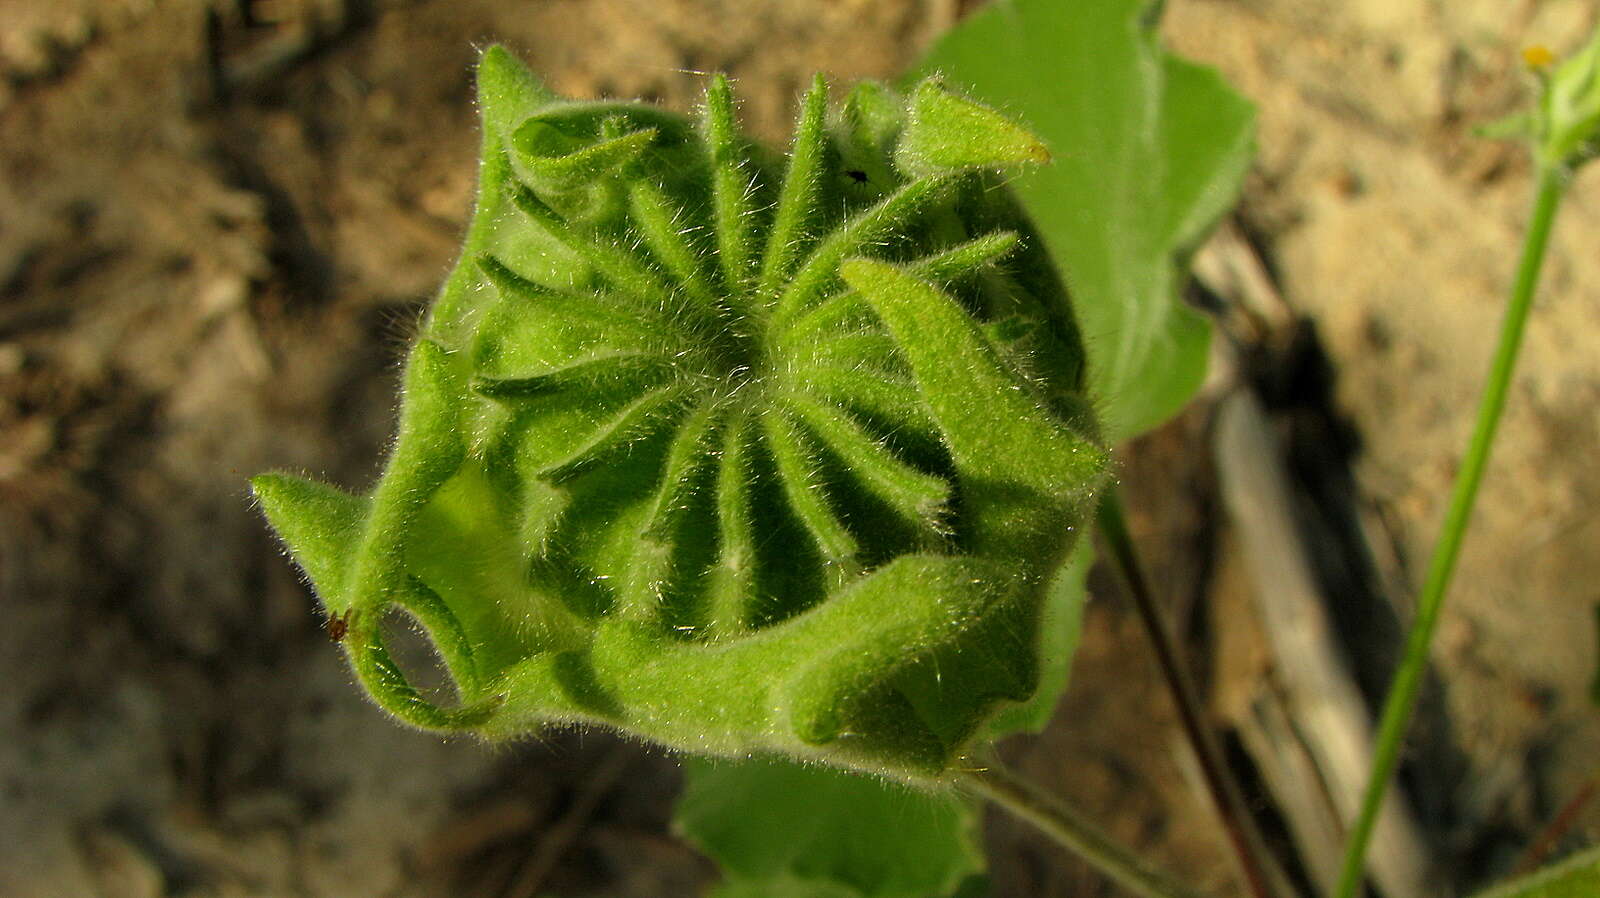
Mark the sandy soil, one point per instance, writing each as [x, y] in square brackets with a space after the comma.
[221, 220]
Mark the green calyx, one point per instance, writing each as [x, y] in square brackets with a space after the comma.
[737, 454]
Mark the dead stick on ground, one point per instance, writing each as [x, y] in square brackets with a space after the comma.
[1320, 695]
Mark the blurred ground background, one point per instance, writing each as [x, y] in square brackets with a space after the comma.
[220, 220]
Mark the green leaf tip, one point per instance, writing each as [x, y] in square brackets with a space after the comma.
[318, 522]
[945, 131]
[505, 84]
[735, 457]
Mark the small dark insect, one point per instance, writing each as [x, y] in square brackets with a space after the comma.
[857, 175]
[339, 625]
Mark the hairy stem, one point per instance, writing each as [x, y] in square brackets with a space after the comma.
[1064, 825]
[1408, 679]
[1243, 836]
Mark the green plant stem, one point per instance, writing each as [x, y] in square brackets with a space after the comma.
[1061, 823]
[1408, 679]
[1243, 836]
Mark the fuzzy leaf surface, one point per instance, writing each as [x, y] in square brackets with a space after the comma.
[1148, 151]
[843, 834]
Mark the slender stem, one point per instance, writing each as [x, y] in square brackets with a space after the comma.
[1408, 679]
[1248, 846]
[1065, 826]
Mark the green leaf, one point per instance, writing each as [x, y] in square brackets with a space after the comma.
[507, 94]
[1059, 629]
[734, 206]
[555, 158]
[780, 829]
[793, 227]
[970, 390]
[1148, 151]
[1575, 877]
[319, 522]
[946, 132]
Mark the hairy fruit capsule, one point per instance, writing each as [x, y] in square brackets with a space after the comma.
[733, 452]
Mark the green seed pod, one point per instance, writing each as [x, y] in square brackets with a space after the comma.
[735, 454]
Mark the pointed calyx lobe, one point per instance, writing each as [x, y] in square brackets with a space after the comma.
[735, 455]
